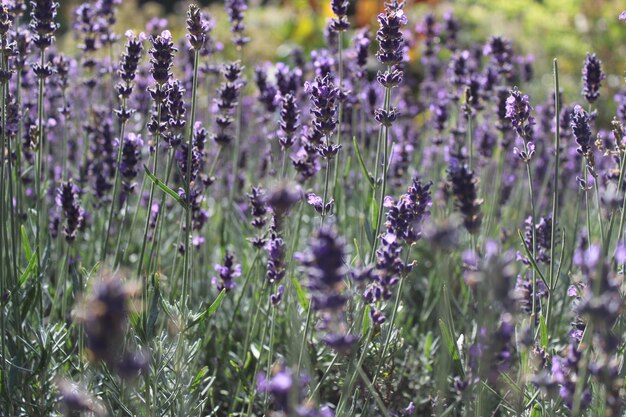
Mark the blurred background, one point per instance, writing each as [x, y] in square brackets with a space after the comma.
[566, 29]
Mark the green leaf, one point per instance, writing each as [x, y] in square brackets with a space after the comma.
[366, 320]
[209, 311]
[362, 164]
[536, 411]
[453, 350]
[154, 310]
[25, 244]
[369, 231]
[357, 249]
[29, 269]
[544, 332]
[199, 378]
[304, 303]
[428, 345]
[167, 190]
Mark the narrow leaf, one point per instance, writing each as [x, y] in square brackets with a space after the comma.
[29, 269]
[26, 245]
[362, 164]
[544, 332]
[167, 190]
[366, 320]
[199, 318]
[304, 303]
[453, 350]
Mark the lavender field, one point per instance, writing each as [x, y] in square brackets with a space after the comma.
[395, 215]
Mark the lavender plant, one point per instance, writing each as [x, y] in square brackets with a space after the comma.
[169, 246]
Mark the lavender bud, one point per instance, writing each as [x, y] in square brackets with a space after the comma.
[197, 27]
[592, 77]
[67, 200]
[227, 273]
[464, 188]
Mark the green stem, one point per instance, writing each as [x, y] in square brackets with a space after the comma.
[116, 180]
[340, 112]
[534, 244]
[188, 231]
[38, 171]
[140, 261]
[555, 193]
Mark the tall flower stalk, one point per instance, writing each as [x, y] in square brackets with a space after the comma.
[162, 53]
[390, 53]
[197, 28]
[518, 111]
[127, 71]
[43, 26]
[339, 25]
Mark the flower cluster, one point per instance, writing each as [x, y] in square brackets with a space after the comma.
[325, 267]
[197, 27]
[464, 188]
[592, 77]
[228, 96]
[227, 272]
[67, 200]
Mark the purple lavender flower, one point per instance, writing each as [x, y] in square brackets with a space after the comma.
[162, 56]
[592, 77]
[289, 121]
[197, 27]
[174, 112]
[324, 96]
[543, 234]
[74, 400]
[228, 96]
[340, 9]
[227, 272]
[129, 164]
[276, 249]
[518, 110]
[42, 24]
[325, 268]
[501, 52]
[288, 80]
[6, 20]
[581, 128]
[259, 207]
[524, 294]
[129, 64]
[67, 200]
[464, 188]
[362, 43]
[389, 36]
[267, 91]
[450, 31]
[405, 217]
[105, 319]
[235, 10]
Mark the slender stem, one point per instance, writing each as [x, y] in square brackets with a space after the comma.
[325, 193]
[381, 200]
[470, 145]
[38, 171]
[340, 112]
[534, 244]
[396, 306]
[587, 208]
[597, 190]
[116, 182]
[187, 257]
[555, 193]
[155, 165]
[309, 314]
